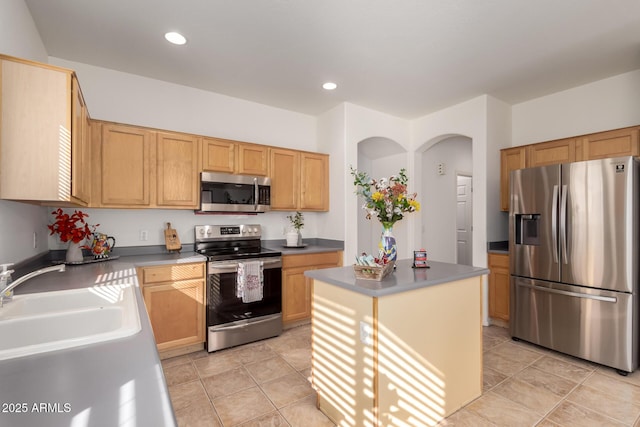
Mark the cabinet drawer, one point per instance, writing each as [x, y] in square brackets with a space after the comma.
[499, 260]
[309, 260]
[171, 273]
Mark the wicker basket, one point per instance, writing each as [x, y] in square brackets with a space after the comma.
[373, 273]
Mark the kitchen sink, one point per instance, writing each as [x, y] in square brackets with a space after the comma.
[48, 321]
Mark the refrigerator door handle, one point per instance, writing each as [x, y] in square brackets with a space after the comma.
[563, 224]
[569, 293]
[554, 223]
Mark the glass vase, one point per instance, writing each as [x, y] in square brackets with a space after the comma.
[387, 246]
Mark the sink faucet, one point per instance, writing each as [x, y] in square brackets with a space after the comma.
[28, 276]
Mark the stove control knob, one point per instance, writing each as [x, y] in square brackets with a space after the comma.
[255, 230]
[209, 231]
[201, 231]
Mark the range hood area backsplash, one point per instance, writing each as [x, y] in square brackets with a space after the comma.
[127, 225]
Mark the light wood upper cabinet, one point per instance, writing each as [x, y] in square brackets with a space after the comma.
[253, 159]
[510, 160]
[80, 146]
[285, 179]
[314, 182]
[124, 166]
[552, 153]
[41, 137]
[135, 167]
[218, 155]
[222, 155]
[299, 180]
[615, 143]
[499, 287]
[177, 170]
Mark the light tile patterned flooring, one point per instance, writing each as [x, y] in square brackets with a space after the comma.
[265, 384]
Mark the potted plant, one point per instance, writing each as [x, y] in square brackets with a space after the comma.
[294, 238]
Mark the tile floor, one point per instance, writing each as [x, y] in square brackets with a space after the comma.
[265, 384]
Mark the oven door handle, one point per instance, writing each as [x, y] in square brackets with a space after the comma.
[233, 267]
[245, 325]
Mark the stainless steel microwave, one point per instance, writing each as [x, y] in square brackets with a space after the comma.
[224, 192]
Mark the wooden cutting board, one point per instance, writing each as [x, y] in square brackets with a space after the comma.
[171, 239]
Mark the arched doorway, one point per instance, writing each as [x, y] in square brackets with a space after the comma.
[447, 219]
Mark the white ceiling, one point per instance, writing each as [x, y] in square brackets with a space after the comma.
[402, 57]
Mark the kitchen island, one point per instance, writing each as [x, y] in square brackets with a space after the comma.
[406, 350]
[112, 383]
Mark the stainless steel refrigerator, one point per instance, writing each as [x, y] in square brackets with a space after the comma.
[573, 247]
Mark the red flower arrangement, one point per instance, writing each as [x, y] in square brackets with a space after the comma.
[71, 227]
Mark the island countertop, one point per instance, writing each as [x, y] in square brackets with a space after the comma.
[403, 279]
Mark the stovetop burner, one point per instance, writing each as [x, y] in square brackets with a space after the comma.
[229, 242]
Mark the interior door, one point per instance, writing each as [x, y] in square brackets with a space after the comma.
[464, 220]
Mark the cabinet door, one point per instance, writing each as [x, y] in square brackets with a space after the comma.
[177, 180]
[125, 166]
[499, 289]
[252, 159]
[285, 179]
[35, 132]
[80, 147]
[552, 153]
[296, 295]
[510, 159]
[218, 155]
[314, 182]
[615, 143]
[176, 311]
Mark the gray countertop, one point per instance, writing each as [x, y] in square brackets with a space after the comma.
[115, 383]
[310, 246]
[403, 279]
[501, 247]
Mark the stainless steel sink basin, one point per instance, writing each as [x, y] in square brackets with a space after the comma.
[41, 322]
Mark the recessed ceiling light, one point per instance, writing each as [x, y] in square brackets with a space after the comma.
[175, 38]
[329, 86]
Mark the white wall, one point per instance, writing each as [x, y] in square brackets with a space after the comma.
[18, 221]
[602, 105]
[440, 195]
[498, 137]
[127, 98]
[125, 224]
[331, 140]
[467, 119]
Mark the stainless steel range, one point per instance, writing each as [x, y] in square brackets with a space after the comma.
[232, 318]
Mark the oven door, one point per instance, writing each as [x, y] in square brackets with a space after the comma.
[223, 306]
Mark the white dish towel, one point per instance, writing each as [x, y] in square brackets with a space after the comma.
[250, 281]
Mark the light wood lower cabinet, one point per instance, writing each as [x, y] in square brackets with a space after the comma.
[174, 296]
[499, 286]
[296, 288]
